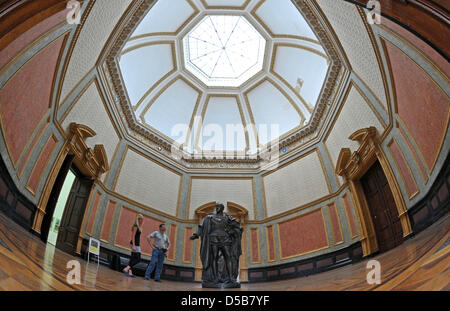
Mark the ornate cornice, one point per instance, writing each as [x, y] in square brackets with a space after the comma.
[93, 163]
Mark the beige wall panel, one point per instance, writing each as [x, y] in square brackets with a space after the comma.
[239, 191]
[356, 114]
[349, 27]
[148, 183]
[294, 185]
[100, 23]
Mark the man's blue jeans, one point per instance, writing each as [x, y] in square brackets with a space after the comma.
[158, 260]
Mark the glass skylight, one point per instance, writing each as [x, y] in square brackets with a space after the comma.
[224, 50]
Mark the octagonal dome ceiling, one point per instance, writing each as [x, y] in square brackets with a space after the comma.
[214, 76]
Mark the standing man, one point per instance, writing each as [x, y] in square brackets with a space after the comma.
[160, 246]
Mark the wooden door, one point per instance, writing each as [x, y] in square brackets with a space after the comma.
[73, 215]
[382, 208]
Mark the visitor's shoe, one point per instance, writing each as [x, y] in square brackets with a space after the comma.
[158, 281]
[147, 278]
[131, 275]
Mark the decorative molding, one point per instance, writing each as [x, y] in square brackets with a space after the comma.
[92, 163]
[224, 7]
[186, 240]
[269, 248]
[173, 244]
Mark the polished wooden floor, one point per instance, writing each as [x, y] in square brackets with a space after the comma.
[421, 263]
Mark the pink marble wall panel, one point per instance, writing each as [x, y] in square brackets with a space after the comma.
[402, 165]
[415, 155]
[25, 99]
[41, 164]
[422, 105]
[271, 244]
[108, 221]
[187, 254]
[29, 36]
[172, 239]
[30, 150]
[335, 224]
[254, 242]
[303, 234]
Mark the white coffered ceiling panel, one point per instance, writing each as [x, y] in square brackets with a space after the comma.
[170, 113]
[142, 68]
[284, 19]
[271, 109]
[223, 127]
[303, 70]
[165, 17]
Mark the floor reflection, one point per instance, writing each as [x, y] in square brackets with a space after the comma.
[90, 274]
[420, 263]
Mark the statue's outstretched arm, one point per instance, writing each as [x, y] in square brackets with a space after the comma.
[197, 234]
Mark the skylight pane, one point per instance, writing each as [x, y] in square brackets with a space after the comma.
[224, 50]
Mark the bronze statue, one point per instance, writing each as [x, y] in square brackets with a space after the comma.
[220, 249]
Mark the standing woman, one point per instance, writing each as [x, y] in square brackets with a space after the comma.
[135, 244]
